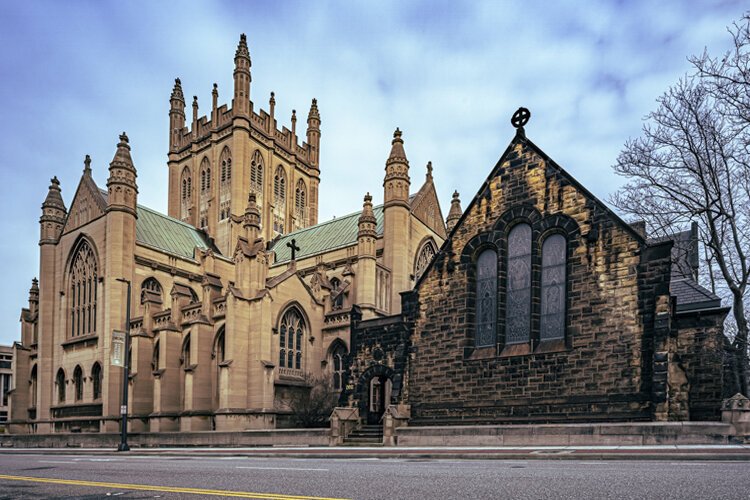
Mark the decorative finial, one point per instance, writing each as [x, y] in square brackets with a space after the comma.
[54, 181]
[520, 118]
[429, 170]
[368, 198]
[177, 81]
[315, 102]
[294, 115]
[216, 89]
[455, 195]
[251, 198]
[397, 133]
[195, 100]
[123, 139]
[87, 165]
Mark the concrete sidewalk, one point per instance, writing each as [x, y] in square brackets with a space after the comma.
[656, 452]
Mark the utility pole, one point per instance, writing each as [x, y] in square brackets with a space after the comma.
[126, 374]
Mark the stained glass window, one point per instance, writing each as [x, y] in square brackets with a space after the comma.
[553, 288]
[518, 296]
[486, 298]
[292, 325]
[426, 253]
[83, 285]
[338, 356]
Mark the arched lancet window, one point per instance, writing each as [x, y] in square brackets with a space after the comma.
[186, 195]
[78, 382]
[554, 258]
[424, 257]
[486, 299]
[518, 292]
[337, 301]
[34, 387]
[220, 346]
[96, 379]
[150, 287]
[279, 200]
[185, 358]
[83, 288]
[300, 205]
[155, 357]
[60, 383]
[256, 180]
[338, 360]
[225, 193]
[205, 193]
[291, 334]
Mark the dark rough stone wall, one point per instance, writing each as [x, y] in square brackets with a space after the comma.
[601, 371]
[700, 346]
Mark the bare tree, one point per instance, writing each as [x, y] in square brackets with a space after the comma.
[312, 406]
[692, 162]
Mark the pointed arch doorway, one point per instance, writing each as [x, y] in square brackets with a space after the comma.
[376, 389]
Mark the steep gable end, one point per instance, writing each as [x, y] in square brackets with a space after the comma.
[88, 204]
[425, 206]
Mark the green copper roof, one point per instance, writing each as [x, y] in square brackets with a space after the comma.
[167, 234]
[326, 236]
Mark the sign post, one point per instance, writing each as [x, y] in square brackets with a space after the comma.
[118, 348]
[126, 372]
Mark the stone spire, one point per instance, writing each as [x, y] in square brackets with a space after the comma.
[455, 212]
[34, 291]
[396, 181]
[367, 237]
[242, 79]
[251, 221]
[367, 221]
[176, 114]
[53, 214]
[313, 133]
[121, 184]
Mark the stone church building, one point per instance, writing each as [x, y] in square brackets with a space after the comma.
[535, 304]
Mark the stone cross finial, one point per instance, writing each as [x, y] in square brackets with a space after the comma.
[429, 170]
[293, 245]
[87, 165]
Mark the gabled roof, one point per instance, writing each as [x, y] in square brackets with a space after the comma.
[691, 296]
[167, 234]
[326, 236]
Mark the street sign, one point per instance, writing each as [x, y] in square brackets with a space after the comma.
[118, 348]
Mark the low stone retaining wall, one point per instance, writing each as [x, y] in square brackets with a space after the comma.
[618, 434]
[275, 437]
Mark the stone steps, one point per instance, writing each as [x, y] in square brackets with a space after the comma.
[367, 435]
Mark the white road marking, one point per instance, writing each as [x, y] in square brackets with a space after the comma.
[278, 468]
[52, 462]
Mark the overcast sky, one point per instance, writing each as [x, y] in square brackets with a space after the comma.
[75, 74]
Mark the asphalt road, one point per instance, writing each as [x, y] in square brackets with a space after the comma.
[134, 476]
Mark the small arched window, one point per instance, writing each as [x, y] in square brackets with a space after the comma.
[225, 193]
[337, 301]
[256, 178]
[78, 382]
[150, 288]
[155, 357]
[34, 387]
[518, 293]
[554, 258]
[486, 299]
[96, 379]
[279, 200]
[83, 288]
[60, 383]
[186, 194]
[338, 361]
[185, 358]
[291, 334]
[300, 204]
[220, 346]
[424, 257]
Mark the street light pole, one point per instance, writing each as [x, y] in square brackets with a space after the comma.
[125, 375]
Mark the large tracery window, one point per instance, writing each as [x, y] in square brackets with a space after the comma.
[300, 205]
[205, 193]
[186, 194]
[291, 335]
[279, 200]
[486, 319]
[518, 296]
[554, 257]
[424, 257]
[225, 193]
[83, 285]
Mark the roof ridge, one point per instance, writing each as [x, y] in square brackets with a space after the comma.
[324, 223]
[165, 216]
